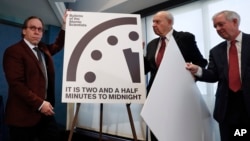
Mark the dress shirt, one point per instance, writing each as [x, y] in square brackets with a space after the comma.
[166, 40]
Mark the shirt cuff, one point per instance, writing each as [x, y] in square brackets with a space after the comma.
[63, 27]
[199, 72]
[41, 106]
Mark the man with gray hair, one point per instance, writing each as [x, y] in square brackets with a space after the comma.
[229, 65]
[163, 27]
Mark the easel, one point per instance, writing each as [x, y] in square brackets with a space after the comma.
[101, 119]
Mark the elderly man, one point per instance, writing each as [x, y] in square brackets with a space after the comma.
[229, 64]
[163, 27]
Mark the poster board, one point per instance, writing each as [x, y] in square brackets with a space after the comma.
[174, 109]
[103, 59]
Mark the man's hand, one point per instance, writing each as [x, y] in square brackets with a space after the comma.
[64, 18]
[192, 68]
[47, 109]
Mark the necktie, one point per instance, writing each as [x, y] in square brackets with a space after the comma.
[161, 51]
[39, 55]
[234, 75]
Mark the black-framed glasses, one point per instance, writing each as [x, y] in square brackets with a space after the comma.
[33, 28]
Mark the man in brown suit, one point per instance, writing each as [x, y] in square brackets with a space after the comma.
[29, 108]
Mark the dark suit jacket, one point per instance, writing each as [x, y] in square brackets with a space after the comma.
[187, 45]
[26, 81]
[218, 71]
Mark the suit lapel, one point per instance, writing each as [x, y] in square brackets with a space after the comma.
[175, 35]
[31, 54]
[48, 60]
[152, 50]
[155, 45]
[244, 53]
[223, 57]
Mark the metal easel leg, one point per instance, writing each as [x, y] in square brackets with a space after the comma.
[101, 119]
[74, 121]
[131, 121]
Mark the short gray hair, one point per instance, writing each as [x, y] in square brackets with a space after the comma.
[230, 15]
[168, 15]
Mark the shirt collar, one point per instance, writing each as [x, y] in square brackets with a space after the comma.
[169, 34]
[29, 44]
[238, 39]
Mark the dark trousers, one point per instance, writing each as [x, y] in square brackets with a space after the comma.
[236, 121]
[45, 130]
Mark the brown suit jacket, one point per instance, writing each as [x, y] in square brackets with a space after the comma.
[26, 81]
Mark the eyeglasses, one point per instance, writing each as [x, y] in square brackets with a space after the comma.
[33, 28]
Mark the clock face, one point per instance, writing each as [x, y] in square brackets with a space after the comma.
[104, 56]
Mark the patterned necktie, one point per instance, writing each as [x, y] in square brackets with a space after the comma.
[234, 74]
[161, 51]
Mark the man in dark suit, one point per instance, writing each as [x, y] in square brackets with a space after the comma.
[232, 105]
[29, 108]
[163, 27]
